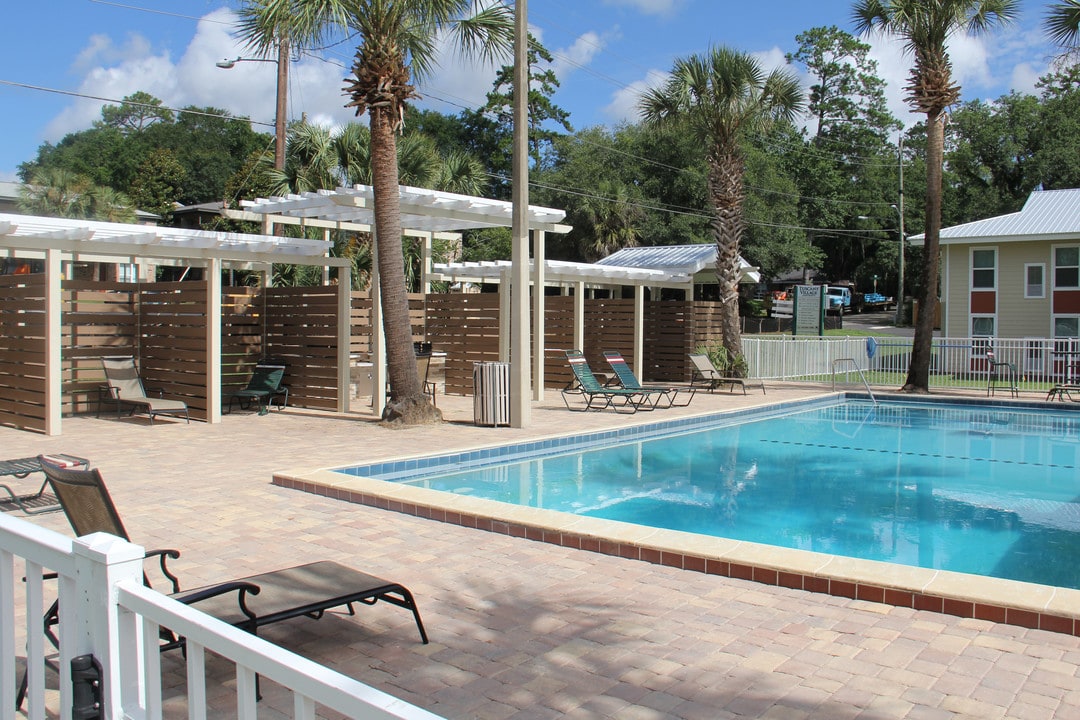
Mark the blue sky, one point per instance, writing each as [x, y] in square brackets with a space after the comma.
[605, 52]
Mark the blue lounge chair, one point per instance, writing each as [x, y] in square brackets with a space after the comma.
[629, 380]
[599, 397]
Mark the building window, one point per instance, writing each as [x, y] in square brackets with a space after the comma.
[1066, 268]
[983, 269]
[127, 272]
[1034, 282]
[982, 330]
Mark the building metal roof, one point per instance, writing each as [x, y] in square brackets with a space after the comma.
[1047, 215]
[421, 209]
[684, 259]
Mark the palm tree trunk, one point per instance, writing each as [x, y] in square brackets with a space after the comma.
[918, 377]
[727, 195]
[406, 393]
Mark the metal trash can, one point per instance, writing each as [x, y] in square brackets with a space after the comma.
[491, 393]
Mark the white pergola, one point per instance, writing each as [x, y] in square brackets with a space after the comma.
[424, 213]
[60, 240]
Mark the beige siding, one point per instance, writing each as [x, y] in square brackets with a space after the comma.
[1017, 316]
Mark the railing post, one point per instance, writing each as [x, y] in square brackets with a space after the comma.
[102, 561]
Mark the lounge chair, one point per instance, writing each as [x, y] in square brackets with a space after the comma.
[125, 389]
[37, 502]
[599, 397]
[1063, 391]
[706, 375]
[247, 603]
[263, 387]
[628, 380]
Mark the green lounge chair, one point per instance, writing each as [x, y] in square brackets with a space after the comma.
[262, 388]
[599, 397]
[629, 380]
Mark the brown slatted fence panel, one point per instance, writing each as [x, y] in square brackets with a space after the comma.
[558, 338]
[360, 335]
[97, 319]
[669, 335]
[172, 345]
[243, 325]
[301, 328]
[609, 325]
[22, 356]
[466, 328]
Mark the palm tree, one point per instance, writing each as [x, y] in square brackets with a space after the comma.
[721, 96]
[1063, 25]
[62, 193]
[925, 26]
[397, 44]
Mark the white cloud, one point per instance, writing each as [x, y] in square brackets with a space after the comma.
[579, 54]
[649, 7]
[772, 59]
[248, 89]
[624, 102]
[1024, 77]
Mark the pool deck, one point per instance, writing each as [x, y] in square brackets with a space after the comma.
[525, 629]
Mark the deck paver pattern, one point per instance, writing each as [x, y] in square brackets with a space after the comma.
[523, 629]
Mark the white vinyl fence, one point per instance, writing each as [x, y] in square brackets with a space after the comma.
[106, 611]
[1034, 363]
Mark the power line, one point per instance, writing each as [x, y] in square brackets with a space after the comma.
[189, 111]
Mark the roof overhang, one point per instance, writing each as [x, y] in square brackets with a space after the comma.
[421, 209]
[86, 239]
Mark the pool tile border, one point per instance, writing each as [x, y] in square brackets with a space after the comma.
[1002, 601]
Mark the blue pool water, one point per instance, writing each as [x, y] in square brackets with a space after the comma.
[989, 490]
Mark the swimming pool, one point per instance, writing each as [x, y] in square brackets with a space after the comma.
[988, 490]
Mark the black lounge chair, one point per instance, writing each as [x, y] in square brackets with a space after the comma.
[706, 375]
[125, 389]
[247, 603]
[598, 396]
[629, 380]
[263, 387]
[36, 502]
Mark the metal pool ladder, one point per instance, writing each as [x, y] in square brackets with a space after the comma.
[862, 376]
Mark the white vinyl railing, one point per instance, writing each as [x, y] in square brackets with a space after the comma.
[1034, 363]
[106, 611]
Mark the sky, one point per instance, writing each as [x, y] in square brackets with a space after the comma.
[605, 53]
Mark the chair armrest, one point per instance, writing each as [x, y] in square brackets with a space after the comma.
[241, 587]
[163, 557]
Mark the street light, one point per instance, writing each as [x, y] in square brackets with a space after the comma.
[282, 94]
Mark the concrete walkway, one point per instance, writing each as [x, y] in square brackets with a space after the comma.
[523, 629]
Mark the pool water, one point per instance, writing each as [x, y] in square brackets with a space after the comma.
[985, 490]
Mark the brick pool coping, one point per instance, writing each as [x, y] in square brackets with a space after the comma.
[993, 599]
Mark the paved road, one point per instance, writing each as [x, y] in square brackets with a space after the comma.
[878, 322]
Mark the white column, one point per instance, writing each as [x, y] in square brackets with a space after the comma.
[53, 343]
[326, 268]
[378, 344]
[505, 312]
[103, 561]
[579, 316]
[538, 314]
[213, 341]
[639, 328]
[344, 336]
[425, 264]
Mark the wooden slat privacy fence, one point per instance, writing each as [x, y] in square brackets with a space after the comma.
[172, 341]
[97, 319]
[22, 354]
[466, 328]
[302, 329]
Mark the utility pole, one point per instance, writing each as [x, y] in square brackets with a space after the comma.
[900, 319]
[282, 94]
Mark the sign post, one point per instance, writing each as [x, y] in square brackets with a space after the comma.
[809, 310]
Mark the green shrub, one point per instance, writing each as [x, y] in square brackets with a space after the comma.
[729, 365]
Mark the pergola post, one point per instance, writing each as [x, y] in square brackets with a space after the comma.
[579, 316]
[344, 336]
[519, 327]
[378, 344]
[53, 342]
[505, 291]
[425, 263]
[639, 328]
[539, 283]
[213, 341]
